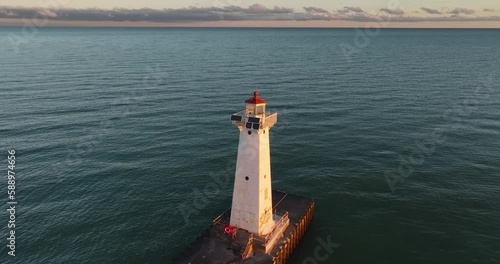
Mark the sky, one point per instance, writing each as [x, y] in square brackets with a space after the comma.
[286, 13]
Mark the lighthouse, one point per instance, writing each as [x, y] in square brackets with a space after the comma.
[252, 193]
[263, 225]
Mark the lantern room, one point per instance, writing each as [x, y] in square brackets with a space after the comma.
[255, 105]
[254, 116]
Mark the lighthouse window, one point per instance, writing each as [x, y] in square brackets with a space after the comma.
[260, 109]
[246, 178]
[249, 132]
[249, 125]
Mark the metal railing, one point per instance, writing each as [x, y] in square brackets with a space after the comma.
[248, 247]
[278, 224]
[270, 120]
[219, 218]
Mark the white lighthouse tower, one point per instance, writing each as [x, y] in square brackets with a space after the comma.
[255, 229]
[252, 195]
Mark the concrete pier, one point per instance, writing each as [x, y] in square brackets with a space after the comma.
[215, 247]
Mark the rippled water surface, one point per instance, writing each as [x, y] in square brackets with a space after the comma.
[119, 133]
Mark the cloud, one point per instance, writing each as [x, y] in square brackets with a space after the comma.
[348, 9]
[489, 10]
[282, 10]
[431, 11]
[255, 12]
[459, 11]
[315, 10]
[398, 11]
[6, 12]
[313, 13]
[258, 9]
[46, 13]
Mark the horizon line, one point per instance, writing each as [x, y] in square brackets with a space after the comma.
[14, 22]
[241, 27]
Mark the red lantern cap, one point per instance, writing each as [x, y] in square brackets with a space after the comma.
[255, 99]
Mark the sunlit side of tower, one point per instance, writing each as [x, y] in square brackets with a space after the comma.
[252, 194]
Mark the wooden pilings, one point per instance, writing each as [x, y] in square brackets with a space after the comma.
[293, 239]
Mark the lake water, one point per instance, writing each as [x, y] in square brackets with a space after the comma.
[119, 133]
